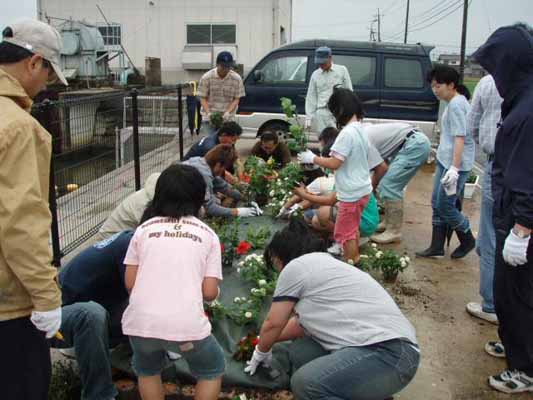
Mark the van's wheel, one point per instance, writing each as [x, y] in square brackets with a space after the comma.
[278, 127]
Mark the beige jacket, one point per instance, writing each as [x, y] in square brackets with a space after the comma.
[128, 214]
[26, 274]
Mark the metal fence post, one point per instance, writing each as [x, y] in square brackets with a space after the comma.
[45, 119]
[180, 119]
[136, 156]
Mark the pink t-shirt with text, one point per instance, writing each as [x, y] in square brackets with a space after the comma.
[174, 256]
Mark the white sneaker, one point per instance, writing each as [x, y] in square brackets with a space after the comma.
[475, 310]
[69, 352]
[495, 349]
[512, 382]
[335, 249]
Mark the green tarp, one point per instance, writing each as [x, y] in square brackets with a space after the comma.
[228, 333]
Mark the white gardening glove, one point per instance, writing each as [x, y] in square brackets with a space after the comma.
[450, 177]
[258, 358]
[246, 212]
[173, 356]
[307, 122]
[226, 116]
[282, 212]
[306, 157]
[47, 321]
[257, 208]
[293, 209]
[515, 249]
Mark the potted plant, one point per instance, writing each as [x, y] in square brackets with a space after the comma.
[388, 262]
[470, 186]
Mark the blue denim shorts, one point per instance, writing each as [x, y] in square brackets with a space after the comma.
[205, 357]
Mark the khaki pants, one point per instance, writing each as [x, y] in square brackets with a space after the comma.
[323, 119]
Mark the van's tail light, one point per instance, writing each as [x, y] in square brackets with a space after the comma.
[244, 112]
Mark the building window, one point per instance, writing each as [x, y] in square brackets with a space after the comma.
[211, 34]
[403, 73]
[112, 34]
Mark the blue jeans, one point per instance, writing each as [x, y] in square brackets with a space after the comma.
[444, 210]
[486, 243]
[403, 167]
[372, 372]
[85, 326]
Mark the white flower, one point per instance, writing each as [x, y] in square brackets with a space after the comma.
[272, 193]
[363, 256]
[243, 299]
[407, 259]
[262, 282]
[237, 300]
[250, 301]
[248, 314]
[379, 254]
[402, 260]
[374, 246]
[286, 179]
[253, 290]
[403, 264]
[215, 303]
[238, 270]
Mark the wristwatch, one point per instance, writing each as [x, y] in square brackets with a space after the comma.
[520, 233]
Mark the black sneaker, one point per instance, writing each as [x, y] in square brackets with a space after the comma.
[512, 382]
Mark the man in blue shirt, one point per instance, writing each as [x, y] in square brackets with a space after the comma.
[228, 134]
[94, 299]
[455, 158]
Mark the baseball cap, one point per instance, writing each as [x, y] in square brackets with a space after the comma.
[38, 38]
[225, 58]
[322, 54]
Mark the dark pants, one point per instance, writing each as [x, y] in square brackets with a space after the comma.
[513, 300]
[25, 366]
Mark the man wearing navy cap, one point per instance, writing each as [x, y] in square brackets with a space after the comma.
[323, 80]
[220, 90]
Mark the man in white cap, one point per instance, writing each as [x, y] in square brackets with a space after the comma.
[323, 80]
[30, 300]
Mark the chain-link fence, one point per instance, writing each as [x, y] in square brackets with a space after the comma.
[104, 147]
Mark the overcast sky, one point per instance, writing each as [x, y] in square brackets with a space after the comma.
[352, 19]
[435, 22]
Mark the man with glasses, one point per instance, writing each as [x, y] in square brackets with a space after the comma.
[220, 90]
[30, 300]
[323, 80]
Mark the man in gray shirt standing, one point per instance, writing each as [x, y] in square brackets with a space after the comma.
[405, 149]
[323, 80]
[483, 123]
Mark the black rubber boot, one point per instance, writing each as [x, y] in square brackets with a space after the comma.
[438, 237]
[468, 243]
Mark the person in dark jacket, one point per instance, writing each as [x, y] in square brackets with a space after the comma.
[228, 134]
[508, 56]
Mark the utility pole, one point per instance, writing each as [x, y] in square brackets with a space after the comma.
[379, 27]
[406, 23]
[463, 41]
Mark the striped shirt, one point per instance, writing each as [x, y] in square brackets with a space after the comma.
[485, 114]
[220, 92]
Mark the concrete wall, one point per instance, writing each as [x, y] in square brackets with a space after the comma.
[157, 28]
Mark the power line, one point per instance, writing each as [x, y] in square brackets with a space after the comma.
[432, 20]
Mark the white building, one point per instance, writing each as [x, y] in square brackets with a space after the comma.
[185, 34]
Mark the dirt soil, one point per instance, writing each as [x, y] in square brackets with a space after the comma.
[433, 294]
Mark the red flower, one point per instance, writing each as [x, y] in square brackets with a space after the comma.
[243, 248]
[244, 177]
[255, 342]
[222, 247]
